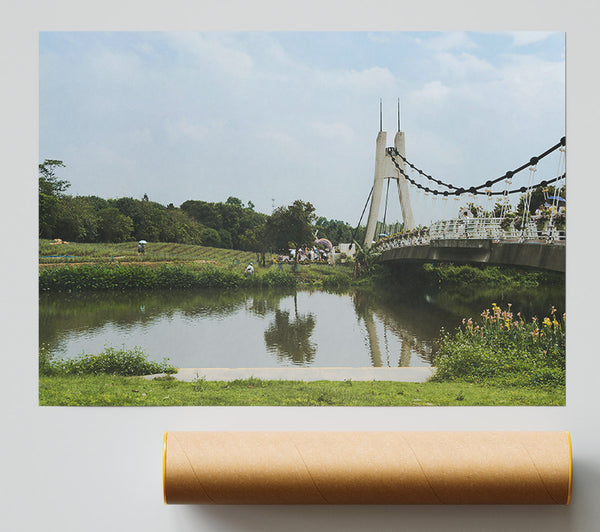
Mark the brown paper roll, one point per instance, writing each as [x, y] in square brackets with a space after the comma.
[367, 467]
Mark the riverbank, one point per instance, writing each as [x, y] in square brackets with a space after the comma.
[97, 267]
[106, 390]
[150, 276]
[496, 358]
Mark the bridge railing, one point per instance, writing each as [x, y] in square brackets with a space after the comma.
[473, 228]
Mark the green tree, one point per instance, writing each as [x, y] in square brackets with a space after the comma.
[77, 219]
[253, 239]
[179, 227]
[335, 231]
[51, 189]
[230, 219]
[231, 200]
[210, 237]
[538, 198]
[114, 226]
[290, 226]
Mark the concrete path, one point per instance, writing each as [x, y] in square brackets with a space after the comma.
[418, 374]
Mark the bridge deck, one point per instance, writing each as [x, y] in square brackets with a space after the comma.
[527, 254]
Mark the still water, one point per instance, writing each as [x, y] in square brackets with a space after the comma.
[260, 328]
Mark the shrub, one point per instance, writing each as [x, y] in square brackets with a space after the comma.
[272, 278]
[336, 281]
[115, 277]
[110, 362]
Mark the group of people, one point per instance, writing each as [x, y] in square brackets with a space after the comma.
[305, 254]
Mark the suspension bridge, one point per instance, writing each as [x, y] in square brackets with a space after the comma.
[530, 235]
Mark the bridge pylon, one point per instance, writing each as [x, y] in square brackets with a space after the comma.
[385, 169]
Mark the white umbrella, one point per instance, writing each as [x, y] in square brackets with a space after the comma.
[142, 242]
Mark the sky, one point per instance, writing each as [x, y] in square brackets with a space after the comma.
[271, 117]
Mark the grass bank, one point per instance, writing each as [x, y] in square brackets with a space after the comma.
[501, 359]
[106, 390]
[78, 252]
[186, 276]
[78, 267]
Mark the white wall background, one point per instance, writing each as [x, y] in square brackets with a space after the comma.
[99, 469]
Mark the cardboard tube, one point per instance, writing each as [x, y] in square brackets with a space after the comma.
[367, 467]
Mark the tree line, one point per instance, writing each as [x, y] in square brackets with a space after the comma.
[229, 224]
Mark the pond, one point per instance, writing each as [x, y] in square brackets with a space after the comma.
[230, 329]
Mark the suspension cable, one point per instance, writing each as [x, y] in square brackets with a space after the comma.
[387, 190]
[474, 190]
[362, 214]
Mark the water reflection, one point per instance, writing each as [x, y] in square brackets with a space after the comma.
[411, 324]
[261, 328]
[291, 339]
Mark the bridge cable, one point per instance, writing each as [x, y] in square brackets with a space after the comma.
[527, 202]
[387, 190]
[505, 205]
[471, 190]
[361, 216]
[459, 190]
[557, 190]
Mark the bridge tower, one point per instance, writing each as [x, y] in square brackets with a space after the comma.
[385, 169]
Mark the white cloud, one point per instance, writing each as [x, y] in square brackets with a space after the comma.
[116, 67]
[183, 130]
[533, 84]
[375, 79]
[379, 37]
[450, 40]
[333, 131]
[464, 64]
[434, 91]
[523, 38]
[311, 119]
[211, 49]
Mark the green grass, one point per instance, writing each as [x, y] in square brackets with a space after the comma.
[105, 390]
[127, 252]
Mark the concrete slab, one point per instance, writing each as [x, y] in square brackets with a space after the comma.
[417, 374]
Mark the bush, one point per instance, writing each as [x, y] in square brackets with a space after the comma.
[336, 281]
[505, 349]
[274, 277]
[465, 276]
[110, 362]
[115, 277]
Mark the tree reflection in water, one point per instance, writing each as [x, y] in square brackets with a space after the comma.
[291, 339]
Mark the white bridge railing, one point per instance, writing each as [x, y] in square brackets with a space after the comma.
[472, 228]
